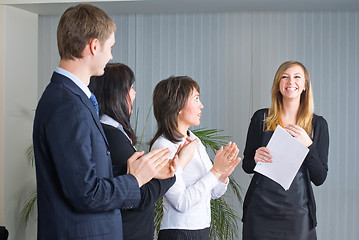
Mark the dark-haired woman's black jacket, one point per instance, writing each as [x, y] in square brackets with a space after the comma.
[137, 223]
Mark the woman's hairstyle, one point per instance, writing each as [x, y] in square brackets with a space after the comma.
[306, 108]
[112, 93]
[169, 97]
[80, 24]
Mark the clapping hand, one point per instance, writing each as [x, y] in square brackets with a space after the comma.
[145, 167]
[168, 170]
[186, 151]
[182, 157]
[225, 161]
[224, 177]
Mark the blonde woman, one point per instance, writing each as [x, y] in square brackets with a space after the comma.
[270, 212]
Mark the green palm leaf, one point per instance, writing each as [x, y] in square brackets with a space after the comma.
[236, 188]
[30, 200]
[158, 215]
[140, 144]
[211, 138]
[28, 209]
[224, 220]
[30, 155]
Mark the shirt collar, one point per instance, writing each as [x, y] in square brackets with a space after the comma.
[75, 79]
[110, 121]
[105, 119]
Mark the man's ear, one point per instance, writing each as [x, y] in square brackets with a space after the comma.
[94, 44]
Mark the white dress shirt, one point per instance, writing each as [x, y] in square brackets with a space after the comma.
[75, 79]
[186, 205]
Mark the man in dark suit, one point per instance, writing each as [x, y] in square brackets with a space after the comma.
[78, 197]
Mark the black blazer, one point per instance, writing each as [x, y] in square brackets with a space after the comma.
[137, 223]
[78, 198]
[316, 161]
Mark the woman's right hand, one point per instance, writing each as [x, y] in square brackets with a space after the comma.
[263, 155]
[186, 151]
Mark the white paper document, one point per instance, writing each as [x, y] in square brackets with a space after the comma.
[288, 155]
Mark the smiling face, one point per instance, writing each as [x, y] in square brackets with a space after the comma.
[292, 83]
[190, 115]
[103, 55]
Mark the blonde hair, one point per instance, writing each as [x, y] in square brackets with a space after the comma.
[306, 107]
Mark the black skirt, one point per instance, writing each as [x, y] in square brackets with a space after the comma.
[181, 234]
[274, 213]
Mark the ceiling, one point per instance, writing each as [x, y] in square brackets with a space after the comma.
[171, 6]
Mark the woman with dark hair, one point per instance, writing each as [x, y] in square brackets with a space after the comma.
[115, 94]
[186, 205]
[270, 212]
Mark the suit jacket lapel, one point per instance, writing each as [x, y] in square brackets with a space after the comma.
[69, 84]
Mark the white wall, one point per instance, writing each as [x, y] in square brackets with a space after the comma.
[20, 82]
[234, 56]
[2, 92]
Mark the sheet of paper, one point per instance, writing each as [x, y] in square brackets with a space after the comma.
[288, 155]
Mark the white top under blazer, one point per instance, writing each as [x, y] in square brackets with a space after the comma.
[186, 205]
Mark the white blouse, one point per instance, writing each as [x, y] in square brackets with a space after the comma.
[186, 205]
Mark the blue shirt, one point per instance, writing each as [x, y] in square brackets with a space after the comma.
[75, 79]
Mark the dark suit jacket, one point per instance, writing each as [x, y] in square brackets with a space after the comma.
[78, 197]
[137, 223]
[4, 234]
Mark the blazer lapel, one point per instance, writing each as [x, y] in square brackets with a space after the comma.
[95, 117]
[69, 84]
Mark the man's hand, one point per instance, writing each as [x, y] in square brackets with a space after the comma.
[168, 170]
[146, 167]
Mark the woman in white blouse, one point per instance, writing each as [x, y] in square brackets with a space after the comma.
[186, 205]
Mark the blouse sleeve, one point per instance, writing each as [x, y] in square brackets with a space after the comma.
[219, 190]
[253, 141]
[183, 198]
[317, 158]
